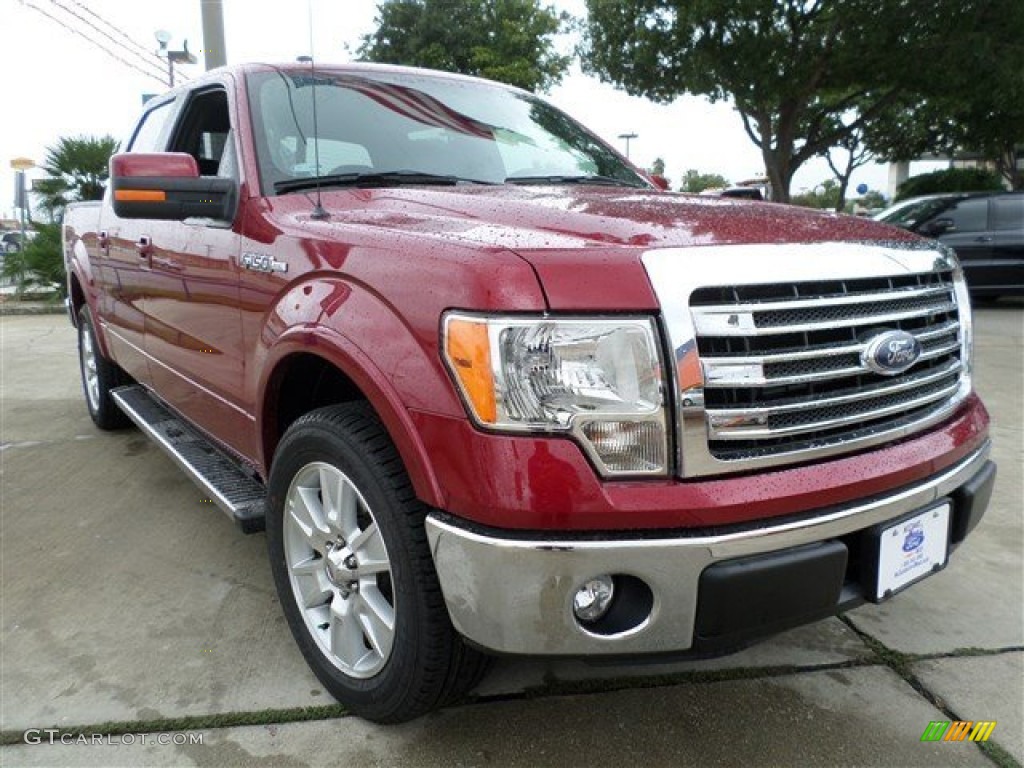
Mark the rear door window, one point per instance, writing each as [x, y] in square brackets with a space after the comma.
[969, 216]
[1008, 213]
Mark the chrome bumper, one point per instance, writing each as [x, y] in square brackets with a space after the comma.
[515, 595]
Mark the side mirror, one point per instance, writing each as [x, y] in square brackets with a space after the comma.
[937, 227]
[659, 181]
[168, 186]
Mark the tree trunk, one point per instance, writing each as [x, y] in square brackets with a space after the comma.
[1007, 164]
[844, 184]
[780, 173]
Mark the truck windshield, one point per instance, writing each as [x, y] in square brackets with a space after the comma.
[403, 128]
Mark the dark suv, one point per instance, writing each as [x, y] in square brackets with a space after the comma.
[986, 229]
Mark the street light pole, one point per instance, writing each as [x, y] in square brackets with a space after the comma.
[627, 137]
[20, 165]
[173, 57]
[214, 51]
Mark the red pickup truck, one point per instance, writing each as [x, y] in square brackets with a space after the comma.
[489, 390]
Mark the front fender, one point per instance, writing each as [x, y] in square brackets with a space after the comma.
[396, 367]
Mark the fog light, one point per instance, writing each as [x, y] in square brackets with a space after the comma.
[593, 598]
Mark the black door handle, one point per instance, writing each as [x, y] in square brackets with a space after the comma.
[144, 246]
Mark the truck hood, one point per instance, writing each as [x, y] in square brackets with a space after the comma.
[548, 218]
[584, 243]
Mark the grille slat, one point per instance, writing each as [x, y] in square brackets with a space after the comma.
[815, 364]
[782, 362]
[829, 414]
[824, 311]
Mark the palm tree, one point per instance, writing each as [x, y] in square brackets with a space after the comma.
[76, 169]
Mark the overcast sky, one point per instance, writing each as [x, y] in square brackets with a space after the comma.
[55, 83]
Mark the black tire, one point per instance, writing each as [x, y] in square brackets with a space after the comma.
[428, 664]
[102, 409]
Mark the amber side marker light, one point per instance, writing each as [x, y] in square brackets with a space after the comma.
[140, 195]
[468, 350]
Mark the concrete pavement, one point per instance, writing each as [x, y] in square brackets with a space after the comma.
[129, 601]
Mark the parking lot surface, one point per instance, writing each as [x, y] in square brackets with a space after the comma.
[132, 608]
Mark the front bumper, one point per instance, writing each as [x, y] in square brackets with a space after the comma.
[514, 595]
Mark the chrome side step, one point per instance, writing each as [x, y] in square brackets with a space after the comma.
[242, 497]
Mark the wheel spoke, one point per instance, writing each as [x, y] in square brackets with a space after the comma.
[309, 515]
[300, 515]
[348, 511]
[346, 636]
[313, 588]
[377, 618]
[332, 486]
[362, 540]
[369, 548]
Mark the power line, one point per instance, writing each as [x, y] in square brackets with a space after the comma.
[145, 53]
[81, 34]
[112, 26]
[147, 61]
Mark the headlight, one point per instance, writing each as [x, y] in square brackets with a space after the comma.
[599, 380]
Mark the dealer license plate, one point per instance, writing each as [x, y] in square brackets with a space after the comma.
[912, 549]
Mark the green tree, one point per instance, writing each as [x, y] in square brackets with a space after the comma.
[696, 182]
[949, 180]
[658, 169]
[76, 169]
[39, 264]
[824, 196]
[872, 199]
[854, 155]
[506, 40]
[803, 74]
[972, 101]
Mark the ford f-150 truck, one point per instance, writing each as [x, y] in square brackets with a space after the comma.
[490, 391]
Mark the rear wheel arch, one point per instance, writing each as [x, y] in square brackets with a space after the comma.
[76, 296]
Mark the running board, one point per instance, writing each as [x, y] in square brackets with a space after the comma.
[241, 496]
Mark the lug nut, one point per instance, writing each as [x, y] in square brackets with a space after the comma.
[351, 563]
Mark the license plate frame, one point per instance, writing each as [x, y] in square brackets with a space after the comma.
[902, 552]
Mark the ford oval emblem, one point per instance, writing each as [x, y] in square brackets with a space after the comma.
[891, 352]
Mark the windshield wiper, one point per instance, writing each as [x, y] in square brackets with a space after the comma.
[372, 179]
[609, 181]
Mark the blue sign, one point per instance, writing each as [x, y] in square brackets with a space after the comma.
[915, 538]
[862, 188]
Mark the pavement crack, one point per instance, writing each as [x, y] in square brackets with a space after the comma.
[901, 664]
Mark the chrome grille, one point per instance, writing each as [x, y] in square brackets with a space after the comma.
[782, 362]
[767, 340]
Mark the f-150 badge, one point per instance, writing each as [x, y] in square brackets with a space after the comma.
[262, 262]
